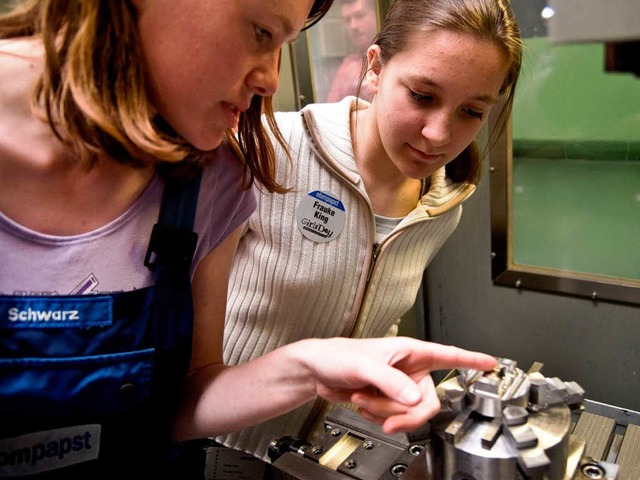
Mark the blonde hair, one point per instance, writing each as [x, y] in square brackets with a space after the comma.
[94, 91]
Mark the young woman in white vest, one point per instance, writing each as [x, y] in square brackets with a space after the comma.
[375, 189]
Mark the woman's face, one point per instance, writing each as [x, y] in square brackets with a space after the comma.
[206, 59]
[433, 97]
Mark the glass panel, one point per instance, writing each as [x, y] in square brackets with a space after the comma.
[338, 48]
[5, 5]
[577, 214]
[569, 217]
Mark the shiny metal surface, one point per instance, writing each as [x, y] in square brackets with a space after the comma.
[505, 424]
[515, 423]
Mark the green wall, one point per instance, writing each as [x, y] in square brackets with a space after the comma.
[576, 163]
[565, 94]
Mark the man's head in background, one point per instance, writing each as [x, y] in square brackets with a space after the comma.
[359, 22]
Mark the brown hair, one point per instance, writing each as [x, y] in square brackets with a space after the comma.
[93, 91]
[491, 20]
[252, 136]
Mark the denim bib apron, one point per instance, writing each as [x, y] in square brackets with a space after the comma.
[89, 383]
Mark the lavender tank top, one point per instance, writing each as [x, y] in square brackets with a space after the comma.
[111, 258]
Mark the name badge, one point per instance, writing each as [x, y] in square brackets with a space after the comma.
[55, 312]
[48, 450]
[320, 217]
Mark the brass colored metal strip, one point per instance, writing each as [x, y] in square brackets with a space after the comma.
[597, 432]
[629, 457]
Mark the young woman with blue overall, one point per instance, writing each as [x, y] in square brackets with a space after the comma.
[122, 198]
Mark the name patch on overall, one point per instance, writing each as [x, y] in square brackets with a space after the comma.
[55, 312]
[48, 450]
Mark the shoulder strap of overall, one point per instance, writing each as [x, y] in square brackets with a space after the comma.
[173, 240]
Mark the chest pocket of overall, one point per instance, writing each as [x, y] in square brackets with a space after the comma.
[69, 357]
[87, 377]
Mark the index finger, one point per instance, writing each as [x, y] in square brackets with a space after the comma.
[435, 356]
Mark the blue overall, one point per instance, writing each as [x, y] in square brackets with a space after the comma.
[89, 383]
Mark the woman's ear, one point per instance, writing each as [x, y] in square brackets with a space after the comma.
[374, 67]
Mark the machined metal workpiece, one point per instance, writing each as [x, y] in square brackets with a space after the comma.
[507, 424]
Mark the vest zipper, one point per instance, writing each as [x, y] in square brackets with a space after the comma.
[374, 258]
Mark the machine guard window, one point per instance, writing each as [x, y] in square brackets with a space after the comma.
[565, 177]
